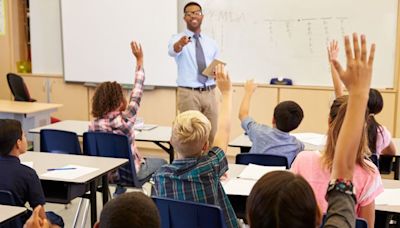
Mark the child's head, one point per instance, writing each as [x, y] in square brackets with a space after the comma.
[281, 199]
[288, 116]
[375, 102]
[375, 106]
[133, 209]
[190, 132]
[107, 98]
[12, 137]
[336, 118]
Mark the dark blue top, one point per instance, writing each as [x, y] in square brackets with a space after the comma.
[22, 181]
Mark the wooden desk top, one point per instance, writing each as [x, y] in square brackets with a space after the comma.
[21, 107]
[77, 126]
[235, 170]
[8, 212]
[43, 161]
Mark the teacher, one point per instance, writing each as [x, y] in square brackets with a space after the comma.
[193, 52]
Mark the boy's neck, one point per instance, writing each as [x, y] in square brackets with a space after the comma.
[15, 153]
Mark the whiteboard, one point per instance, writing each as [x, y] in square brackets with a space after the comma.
[262, 39]
[96, 37]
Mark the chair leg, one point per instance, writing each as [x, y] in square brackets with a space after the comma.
[77, 213]
[85, 213]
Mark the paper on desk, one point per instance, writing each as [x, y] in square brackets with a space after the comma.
[145, 127]
[69, 174]
[28, 163]
[389, 197]
[255, 172]
[311, 138]
[237, 186]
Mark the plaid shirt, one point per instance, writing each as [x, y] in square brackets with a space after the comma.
[123, 122]
[197, 179]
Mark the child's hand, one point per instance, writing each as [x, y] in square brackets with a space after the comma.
[357, 76]
[250, 86]
[37, 219]
[137, 51]
[222, 78]
[333, 50]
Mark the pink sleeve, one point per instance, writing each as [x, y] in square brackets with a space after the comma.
[372, 188]
[296, 164]
[383, 139]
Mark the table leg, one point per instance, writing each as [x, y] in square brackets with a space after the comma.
[93, 203]
[396, 167]
[169, 150]
[105, 189]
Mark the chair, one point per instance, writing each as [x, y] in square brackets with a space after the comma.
[374, 158]
[183, 214]
[360, 222]
[57, 141]
[105, 144]
[18, 88]
[262, 159]
[385, 164]
[6, 198]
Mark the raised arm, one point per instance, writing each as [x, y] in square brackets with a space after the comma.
[249, 88]
[333, 51]
[357, 79]
[225, 108]
[138, 53]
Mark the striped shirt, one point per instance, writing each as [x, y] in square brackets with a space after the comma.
[197, 179]
[122, 123]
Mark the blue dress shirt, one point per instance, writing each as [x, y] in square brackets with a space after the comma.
[186, 59]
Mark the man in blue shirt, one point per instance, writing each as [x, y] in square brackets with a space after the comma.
[193, 51]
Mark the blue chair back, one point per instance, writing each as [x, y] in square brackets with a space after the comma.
[183, 214]
[262, 159]
[105, 144]
[6, 198]
[360, 222]
[375, 160]
[57, 141]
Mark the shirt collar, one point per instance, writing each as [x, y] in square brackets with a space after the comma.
[10, 158]
[190, 33]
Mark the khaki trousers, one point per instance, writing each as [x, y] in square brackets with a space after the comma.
[203, 101]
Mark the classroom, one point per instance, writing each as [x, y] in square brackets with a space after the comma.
[64, 49]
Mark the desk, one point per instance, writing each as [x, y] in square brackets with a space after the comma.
[158, 135]
[30, 114]
[7, 213]
[240, 200]
[63, 190]
[244, 143]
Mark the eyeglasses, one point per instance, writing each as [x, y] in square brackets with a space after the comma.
[194, 13]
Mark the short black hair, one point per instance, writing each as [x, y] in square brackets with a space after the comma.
[288, 116]
[133, 209]
[10, 132]
[191, 4]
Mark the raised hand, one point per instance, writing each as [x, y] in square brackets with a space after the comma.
[357, 76]
[137, 52]
[222, 78]
[250, 86]
[333, 50]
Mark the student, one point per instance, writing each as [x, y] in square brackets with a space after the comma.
[379, 137]
[133, 209]
[315, 166]
[281, 199]
[195, 174]
[22, 181]
[113, 114]
[274, 140]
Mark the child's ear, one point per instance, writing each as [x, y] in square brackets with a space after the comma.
[206, 146]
